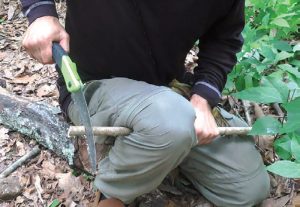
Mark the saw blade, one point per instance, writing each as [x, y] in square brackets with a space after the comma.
[81, 105]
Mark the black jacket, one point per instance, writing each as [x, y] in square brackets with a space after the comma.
[148, 40]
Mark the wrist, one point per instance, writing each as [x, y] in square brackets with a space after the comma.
[199, 102]
[36, 11]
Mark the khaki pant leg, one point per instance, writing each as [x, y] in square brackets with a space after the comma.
[229, 171]
[163, 134]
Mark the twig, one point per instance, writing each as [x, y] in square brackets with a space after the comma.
[97, 198]
[258, 111]
[247, 106]
[123, 131]
[34, 152]
[1, 6]
[234, 130]
[278, 109]
[98, 131]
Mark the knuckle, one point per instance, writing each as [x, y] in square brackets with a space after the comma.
[66, 36]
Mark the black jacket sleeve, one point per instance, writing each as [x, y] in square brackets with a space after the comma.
[217, 54]
[34, 9]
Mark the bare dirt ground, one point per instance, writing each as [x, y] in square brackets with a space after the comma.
[47, 180]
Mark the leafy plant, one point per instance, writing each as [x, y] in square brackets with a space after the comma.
[268, 72]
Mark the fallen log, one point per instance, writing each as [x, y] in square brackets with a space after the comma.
[38, 121]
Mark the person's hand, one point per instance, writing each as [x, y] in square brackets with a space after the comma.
[40, 35]
[205, 125]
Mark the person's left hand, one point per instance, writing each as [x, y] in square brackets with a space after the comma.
[205, 125]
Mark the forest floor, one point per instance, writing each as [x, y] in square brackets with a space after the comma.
[47, 178]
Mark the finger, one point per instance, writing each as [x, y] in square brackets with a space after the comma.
[46, 54]
[65, 42]
[41, 53]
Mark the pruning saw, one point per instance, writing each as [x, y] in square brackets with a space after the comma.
[74, 86]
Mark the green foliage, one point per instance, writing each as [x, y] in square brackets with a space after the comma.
[55, 203]
[260, 94]
[268, 72]
[2, 20]
[293, 116]
[283, 147]
[266, 126]
[285, 168]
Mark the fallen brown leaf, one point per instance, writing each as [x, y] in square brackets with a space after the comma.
[38, 187]
[3, 135]
[25, 79]
[11, 11]
[272, 202]
[296, 201]
[48, 169]
[69, 183]
[45, 90]
[20, 148]
[2, 55]
[19, 200]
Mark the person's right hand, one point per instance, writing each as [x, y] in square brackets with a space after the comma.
[40, 35]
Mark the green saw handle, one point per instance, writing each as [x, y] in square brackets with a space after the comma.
[67, 67]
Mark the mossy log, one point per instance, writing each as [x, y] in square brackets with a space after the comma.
[38, 121]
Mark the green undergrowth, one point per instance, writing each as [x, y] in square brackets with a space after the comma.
[268, 72]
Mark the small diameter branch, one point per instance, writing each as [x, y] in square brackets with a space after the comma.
[98, 131]
[278, 109]
[34, 152]
[123, 131]
[234, 130]
[1, 6]
[247, 106]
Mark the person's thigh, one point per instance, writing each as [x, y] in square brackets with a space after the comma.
[163, 134]
[229, 171]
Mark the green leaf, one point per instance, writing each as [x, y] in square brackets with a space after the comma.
[261, 67]
[293, 116]
[283, 55]
[268, 53]
[248, 81]
[295, 63]
[283, 46]
[295, 147]
[285, 168]
[282, 147]
[265, 20]
[290, 69]
[280, 22]
[286, 15]
[55, 203]
[265, 126]
[260, 94]
[296, 48]
[275, 80]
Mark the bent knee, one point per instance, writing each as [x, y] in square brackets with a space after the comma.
[182, 138]
[244, 194]
[167, 117]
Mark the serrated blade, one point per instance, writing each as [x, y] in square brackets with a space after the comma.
[81, 105]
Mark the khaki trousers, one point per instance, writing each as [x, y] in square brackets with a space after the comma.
[228, 172]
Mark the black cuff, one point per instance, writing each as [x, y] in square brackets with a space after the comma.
[40, 11]
[208, 92]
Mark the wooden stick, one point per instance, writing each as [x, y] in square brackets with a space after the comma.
[123, 131]
[247, 106]
[234, 130]
[98, 131]
[278, 109]
[34, 152]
